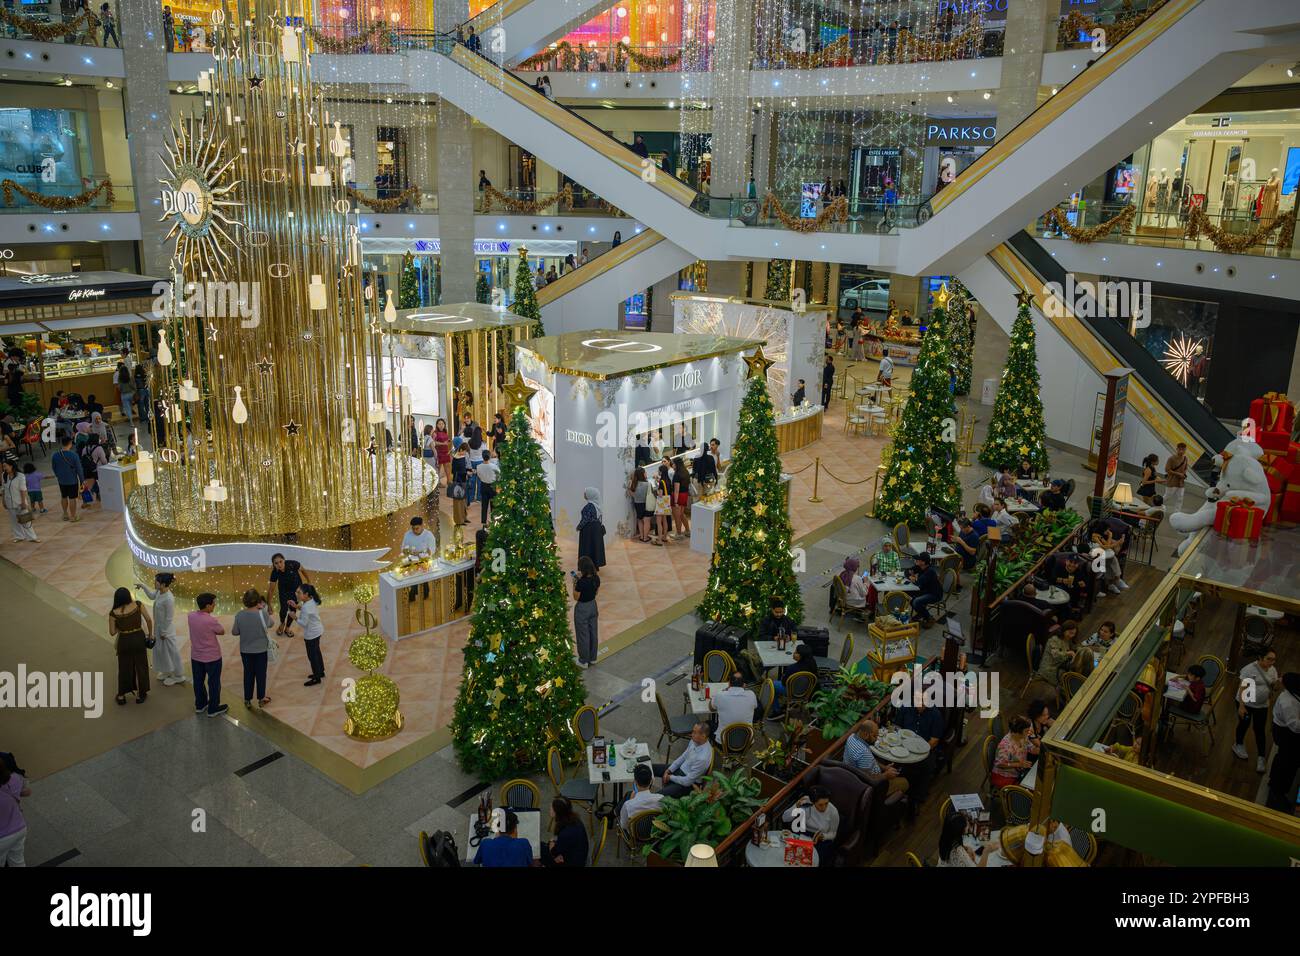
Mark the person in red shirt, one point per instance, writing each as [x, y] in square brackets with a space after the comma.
[1195, 698]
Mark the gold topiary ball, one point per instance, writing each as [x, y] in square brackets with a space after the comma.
[368, 651]
[373, 713]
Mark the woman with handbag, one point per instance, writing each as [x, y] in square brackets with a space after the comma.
[167, 650]
[442, 450]
[681, 488]
[130, 623]
[591, 530]
[254, 645]
[663, 493]
[459, 482]
[17, 504]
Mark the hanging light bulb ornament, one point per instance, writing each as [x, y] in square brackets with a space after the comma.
[390, 310]
[188, 392]
[164, 350]
[316, 294]
[144, 468]
[215, 491]
[239, 413]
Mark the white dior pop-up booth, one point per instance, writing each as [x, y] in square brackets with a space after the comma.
[599, 390]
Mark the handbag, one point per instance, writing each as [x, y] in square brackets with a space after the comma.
[457, 492]
[24, 516]
[150, 641]
[272, 650]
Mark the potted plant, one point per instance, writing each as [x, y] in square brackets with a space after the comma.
[707, 814]
[862, 687]
[836, 712]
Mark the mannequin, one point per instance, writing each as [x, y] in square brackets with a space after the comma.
[1269, 194]
[1154, 188]
[1229, 194]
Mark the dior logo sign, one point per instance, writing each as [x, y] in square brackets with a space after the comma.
[182, 202]
[578, 438]
[621, 345]
[687, 379]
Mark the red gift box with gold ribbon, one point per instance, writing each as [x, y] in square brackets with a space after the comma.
[1273, 412]
[1276, 442]
[1239, 518]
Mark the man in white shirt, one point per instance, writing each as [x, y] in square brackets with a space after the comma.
[1003, 517]
[886, 373]
[735, 705]
[488, 471]
[988, 493]
[684, 772]
[420, 541]
[643, 797]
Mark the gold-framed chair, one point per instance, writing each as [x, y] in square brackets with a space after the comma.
[799, 690]
[1016, 802]
[674, 728]
[989, 756]
[582, 792]
[424, 849]
[831, 664]
[718, 667]
[1030, 647]
[945, 809]
[902, 537]
[586, 724]
[857, 424]
[639, 831]
[913, 860]
[1130, 712]
[1071, 681]
[896, 602]
[1203, 719]
[1083, 843]
[841, 594]
[766, 695]
[1214, 669]
[520, 794]
[598, 843]
[736, 739]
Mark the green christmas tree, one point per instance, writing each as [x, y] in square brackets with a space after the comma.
[753, 563]
[1016, 429]
[525, 303]
[778, 281]
[960, 339]
[519, 677]
[408, 293]
[482, 289]
[922, 471]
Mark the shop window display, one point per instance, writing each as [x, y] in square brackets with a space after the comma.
[45, 150]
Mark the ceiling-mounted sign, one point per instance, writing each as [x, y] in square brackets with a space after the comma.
[956, 132]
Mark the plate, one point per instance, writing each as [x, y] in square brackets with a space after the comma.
[899, 752]
[905, 734]
[916, 745]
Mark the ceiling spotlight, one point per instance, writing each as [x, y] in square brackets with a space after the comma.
[950, 98]
[1053, 91]
[987, 94]
[388, 99]
[109, 84]
[1293, 70]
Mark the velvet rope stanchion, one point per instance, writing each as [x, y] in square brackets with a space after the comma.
[493, 196]
[373, 35]
[1116, 223]
[391, 204]
[83, 198]
[1199, 224]
[837, 211]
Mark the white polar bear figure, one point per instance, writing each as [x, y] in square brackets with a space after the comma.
[1240, 476]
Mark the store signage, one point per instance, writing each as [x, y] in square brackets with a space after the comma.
[621, 345]
[687, 379]
[1221, 131]
[578, 438]
[44, 279]
[962, 9]
[77, 294]
[482, 247]
[949, 131]
[250, 553]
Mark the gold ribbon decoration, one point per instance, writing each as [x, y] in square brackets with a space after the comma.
[1086, 236]
[48, 31]
[83, 198]
[913, 49]
[493, 196]
[837, 211]
[374, 35]
[1275, 403]
[391, 204]
[1232, 505]
[1199, 224]
[828, 55]
[1126, 21]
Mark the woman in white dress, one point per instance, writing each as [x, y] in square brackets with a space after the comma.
[167, 650]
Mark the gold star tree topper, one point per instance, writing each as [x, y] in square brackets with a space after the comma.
[941, 297]
[758, 364]
[518, 393]
[1024, 298]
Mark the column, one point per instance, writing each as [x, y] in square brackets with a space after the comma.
[1030, 33]
[457, 180]
[764, 150]
[731, 119]
[148, 123]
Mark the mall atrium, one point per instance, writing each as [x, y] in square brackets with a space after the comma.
[660, 433]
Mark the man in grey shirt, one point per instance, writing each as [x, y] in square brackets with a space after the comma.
[687, 770]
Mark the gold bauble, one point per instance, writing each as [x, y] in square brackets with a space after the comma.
[373, 712]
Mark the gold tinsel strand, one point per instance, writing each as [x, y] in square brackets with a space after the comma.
[83, 198]
[837, 211]
[1118, 223]
[45, 32]
[391, 204]
[913, 49]
[1199, 224]
[493, 196]
[828, 55]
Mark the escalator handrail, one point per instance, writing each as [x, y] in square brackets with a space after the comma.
[1193, 415]
[1164, 16]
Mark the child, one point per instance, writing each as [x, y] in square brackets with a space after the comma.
[34, 493]
[1195, 689]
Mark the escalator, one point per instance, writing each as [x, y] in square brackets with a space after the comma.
[588, 297]
[1178, 59]
[1075, 351]
[527, 26]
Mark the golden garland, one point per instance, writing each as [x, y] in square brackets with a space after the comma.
[328, 44]
[391, 204]
[49, 31]
[644, 61]
[1126, 21]
[827, 55]
[913, 49]
[520, 207]
[61, 203]
[564, 50]
[1199, 224]
[1118, 223]
[837, 211]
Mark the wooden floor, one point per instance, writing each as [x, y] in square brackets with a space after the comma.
[921, 836]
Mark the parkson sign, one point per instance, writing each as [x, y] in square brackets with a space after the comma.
[941, 132]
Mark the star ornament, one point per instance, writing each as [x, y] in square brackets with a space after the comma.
[291, 428]
[941, 297]
[518, 393]
[264, 366]
[1024, 298]
[758, 364]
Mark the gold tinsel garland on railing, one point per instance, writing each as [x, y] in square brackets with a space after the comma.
[564, 50]
[913, 49]
[826, 56]
[49, 31]
[59, 203]
[837, 211]
[569, 54]
[1199, 224]
[1085, 236]
[645, 61]
[391, 204]
[520, 207]
[1126, 21]
[369, 37]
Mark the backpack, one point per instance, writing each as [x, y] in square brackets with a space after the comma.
[439, 850]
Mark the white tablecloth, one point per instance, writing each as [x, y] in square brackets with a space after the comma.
[771, 657]
[530, 828]
[698, 703]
